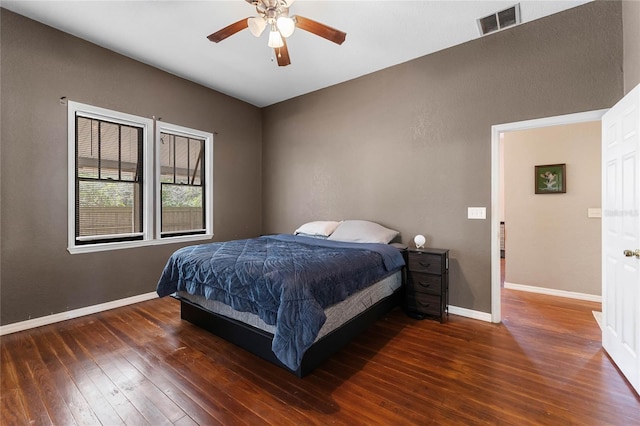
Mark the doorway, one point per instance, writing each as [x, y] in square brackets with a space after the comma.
[496, 198]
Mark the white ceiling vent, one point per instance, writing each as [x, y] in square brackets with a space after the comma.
[499, 20]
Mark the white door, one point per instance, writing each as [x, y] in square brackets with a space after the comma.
[621, 235]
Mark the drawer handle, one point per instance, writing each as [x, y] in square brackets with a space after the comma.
[426, 305]
[426, 265]
[425, 285]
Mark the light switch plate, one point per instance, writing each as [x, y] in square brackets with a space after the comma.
[476, 212]
[594, 212]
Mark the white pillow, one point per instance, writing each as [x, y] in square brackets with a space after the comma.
[363, 231]
[319, 227]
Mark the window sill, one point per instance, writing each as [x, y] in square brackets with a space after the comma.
[93, 248]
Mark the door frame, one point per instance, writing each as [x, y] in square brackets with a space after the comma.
[496, 130]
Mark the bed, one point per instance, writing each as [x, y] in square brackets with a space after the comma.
[293, 300]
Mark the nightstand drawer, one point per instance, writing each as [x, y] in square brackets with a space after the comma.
[424, 303]
[425, 262]
[425, 283]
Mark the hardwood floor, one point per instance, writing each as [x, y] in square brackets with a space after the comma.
[142, 365]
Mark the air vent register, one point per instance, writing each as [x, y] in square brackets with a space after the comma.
[499, 20]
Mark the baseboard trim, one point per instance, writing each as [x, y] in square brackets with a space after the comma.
[554, 292]
[76, 313]
[464, 312]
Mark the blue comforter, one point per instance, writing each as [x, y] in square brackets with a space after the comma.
[286, 280]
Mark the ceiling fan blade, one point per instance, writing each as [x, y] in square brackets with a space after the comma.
[319, 29]
[282, 54]
[228, 31]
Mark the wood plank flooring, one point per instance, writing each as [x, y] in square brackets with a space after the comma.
[142, 365]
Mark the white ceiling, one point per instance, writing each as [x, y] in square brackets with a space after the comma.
[171, 35]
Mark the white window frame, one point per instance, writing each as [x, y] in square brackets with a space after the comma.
[162, 127]
[150, 184]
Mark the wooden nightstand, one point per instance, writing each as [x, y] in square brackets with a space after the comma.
[427, 286]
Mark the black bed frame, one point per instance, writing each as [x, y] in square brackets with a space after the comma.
[258, 341]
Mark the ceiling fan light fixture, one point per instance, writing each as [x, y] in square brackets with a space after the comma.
[275, 40]
[256, 25]
[275, 15]
[286, 26]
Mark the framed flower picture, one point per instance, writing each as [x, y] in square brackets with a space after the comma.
[551, 179]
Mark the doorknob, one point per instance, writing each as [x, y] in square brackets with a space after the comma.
[630, 253]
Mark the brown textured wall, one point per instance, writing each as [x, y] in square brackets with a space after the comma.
[410, 146]
[631, 31]
[40, 65]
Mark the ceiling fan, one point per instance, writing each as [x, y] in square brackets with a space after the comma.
[275, 13]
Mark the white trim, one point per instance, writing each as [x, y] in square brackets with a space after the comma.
[496, 130]
[464, 312]
[175, 129]
[554, 292]
[71, 174]
[93, 248]
[108, 236]
[76, 313]
[177, 233]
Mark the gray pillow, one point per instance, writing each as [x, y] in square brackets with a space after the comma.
[362, 231]
[321, 237]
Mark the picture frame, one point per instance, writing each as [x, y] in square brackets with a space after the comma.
[550, 179]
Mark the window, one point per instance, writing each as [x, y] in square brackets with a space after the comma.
[183, 166]
[114, 190]
[108, 179]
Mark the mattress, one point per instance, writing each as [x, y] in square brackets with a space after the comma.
[287, 281]
[336, 314]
